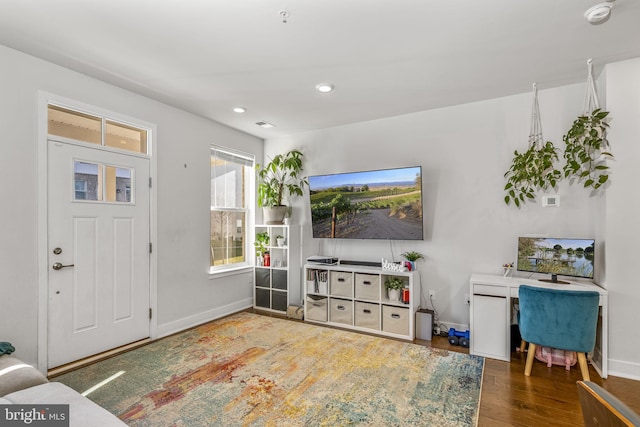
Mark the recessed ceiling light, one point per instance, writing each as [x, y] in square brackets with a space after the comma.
[265, 125]
[324, 87]
[599, 12]
[239, 109]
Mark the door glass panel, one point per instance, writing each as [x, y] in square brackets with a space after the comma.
[118, 184]
[74, 125]
[87, 181]
[125, 137]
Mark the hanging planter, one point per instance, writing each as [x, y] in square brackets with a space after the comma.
[533, 169]
[586, 142]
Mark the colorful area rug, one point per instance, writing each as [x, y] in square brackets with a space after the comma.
[254, 370]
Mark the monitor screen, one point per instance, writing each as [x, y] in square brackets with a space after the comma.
[375, 204]
[556, 256]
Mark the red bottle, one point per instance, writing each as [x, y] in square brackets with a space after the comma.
[267, 260]
[405, 295]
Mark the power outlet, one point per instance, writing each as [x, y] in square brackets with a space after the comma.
[467, 300]
[432, 294]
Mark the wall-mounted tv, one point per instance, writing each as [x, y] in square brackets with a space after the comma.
[375, 204]
[556, 256]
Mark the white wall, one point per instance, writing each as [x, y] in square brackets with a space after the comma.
[622, 225]
[464, 152]
[186, 295]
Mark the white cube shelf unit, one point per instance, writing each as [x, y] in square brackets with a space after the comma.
[278, 285]
[354, 297]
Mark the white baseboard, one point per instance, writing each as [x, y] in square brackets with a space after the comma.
[621, 368]
[200, 318]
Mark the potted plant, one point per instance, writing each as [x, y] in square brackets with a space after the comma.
[530, 171]
[533, 169]
[412, 257]
[279, 179]
[393, 285]
[261, 243]
[586, 149]
[280, 240]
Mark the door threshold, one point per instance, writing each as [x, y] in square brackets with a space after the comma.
[63, 369]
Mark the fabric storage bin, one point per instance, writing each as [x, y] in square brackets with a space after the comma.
[263, 298]
[263, 278]
[341, 311]
[395, 319]
[367, 286]
[341, 283]
[279, 300]
[316, 308]
[367, 315]
[279, 279]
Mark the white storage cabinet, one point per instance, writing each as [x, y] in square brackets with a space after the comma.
[278, 285]
[354, 297]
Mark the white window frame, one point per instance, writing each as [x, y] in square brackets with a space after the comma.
[248, 209]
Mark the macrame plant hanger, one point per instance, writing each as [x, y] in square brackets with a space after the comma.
[535, 134]
[590, 96]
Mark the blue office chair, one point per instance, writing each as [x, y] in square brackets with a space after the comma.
[560, 319]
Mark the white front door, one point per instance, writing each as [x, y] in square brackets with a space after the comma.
[98, 246]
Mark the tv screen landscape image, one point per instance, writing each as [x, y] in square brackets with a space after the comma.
[556, 256]
[377, 204]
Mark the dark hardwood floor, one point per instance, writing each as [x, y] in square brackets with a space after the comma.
[548, 397]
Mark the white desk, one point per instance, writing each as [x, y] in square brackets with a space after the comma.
[490, 316]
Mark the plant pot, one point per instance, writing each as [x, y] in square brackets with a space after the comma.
[274, 214]
[394, 294]
[280, 242]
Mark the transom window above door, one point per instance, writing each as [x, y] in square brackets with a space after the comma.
[97, 130]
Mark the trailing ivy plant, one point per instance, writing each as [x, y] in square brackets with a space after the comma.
[530, 171]
[585, 151]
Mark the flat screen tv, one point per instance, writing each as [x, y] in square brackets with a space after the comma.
[556, 256]
[375, 204]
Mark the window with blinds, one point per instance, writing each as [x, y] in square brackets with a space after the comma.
[231, 175]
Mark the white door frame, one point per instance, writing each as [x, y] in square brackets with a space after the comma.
[44, 98]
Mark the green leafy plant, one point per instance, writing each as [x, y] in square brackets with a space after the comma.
[530, 171]
[412, 256]
[280, 178]
[261, 243]
[394, 283]
[585, 151]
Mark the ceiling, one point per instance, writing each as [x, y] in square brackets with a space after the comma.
[385, 57]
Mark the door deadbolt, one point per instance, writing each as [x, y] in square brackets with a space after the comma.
[59, 266]
[57, 251]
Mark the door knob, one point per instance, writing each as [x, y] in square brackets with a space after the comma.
[59, 266]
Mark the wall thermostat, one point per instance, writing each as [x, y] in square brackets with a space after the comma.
[551, 201]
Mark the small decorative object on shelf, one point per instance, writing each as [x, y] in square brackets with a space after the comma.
[412, 257]
[393, 285]
[280, 240]
[507, 268]
[406, 298]
[392, 266]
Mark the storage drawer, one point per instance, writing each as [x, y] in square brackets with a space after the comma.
[395, 320]
[367, 315]
[498, 291]
[341, 283]
[367, 286]
[316, 308]
[341, 311]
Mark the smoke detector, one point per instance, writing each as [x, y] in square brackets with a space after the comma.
[599, 12]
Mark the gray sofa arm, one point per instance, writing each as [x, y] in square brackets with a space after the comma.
[16, 375]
